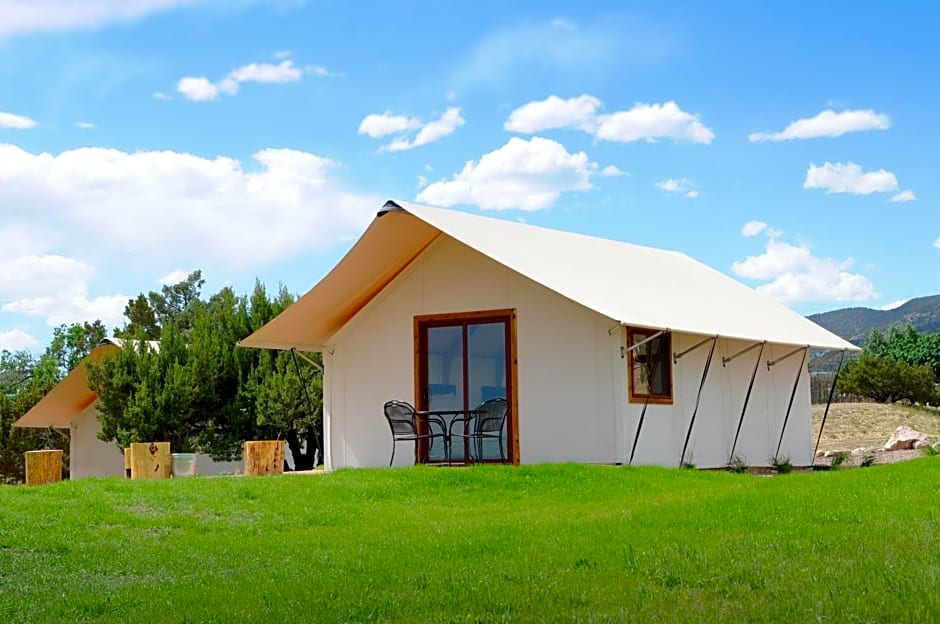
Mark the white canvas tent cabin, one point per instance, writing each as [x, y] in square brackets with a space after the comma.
[71, 405]
[607, 352]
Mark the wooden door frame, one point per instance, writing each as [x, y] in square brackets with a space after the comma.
[507, 315]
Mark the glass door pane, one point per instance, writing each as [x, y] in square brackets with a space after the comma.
[486, 379]
[445, 378]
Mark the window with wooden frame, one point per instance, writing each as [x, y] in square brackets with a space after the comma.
[649, 365]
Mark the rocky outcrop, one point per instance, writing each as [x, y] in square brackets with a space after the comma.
[904, 438]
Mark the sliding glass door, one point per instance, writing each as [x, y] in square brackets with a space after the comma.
[462, 361]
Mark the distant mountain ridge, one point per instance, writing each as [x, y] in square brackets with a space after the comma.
[854, 324]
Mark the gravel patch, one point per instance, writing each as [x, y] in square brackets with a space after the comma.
[881, 457]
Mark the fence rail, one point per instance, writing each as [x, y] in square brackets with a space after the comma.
[819, 385]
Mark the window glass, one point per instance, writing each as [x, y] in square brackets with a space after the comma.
[650, 365]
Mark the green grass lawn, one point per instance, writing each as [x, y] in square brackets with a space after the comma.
[485, 544]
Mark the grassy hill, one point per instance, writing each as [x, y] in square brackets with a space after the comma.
[854, 324]
[545, 543]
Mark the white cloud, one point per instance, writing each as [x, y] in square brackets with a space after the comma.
[173, 277]
[936, 243]
[904, 196]
[197, 89]
[849, 178]
[894, 304]
[58, 310]
[16, 340]
[35, 276]
[55, 288]
[319, 70]
[151, 205]
[422, 181]
[382, 125]
[84, 125]
[283, 54]
[21, 17]
[201, 89]
[649, 122]
[524, 175]
[643, 122]
[681, 186]
[386, 124]
[554, 112]
[753, 228]
[160, 95]
[431, 131]
[611, 171]
[795, 275]
[17, 122]
[267, 73]
[555, 47]
[828, 123]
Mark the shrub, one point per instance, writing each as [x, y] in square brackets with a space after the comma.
[886, 380]
[781, 464]
[839, 458]
[737, 465]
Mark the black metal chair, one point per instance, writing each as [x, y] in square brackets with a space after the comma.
[486, 422]
[403, 421]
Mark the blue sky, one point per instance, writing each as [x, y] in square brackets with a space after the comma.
[789, 145]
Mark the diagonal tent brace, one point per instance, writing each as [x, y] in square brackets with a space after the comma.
[796, 383]
[832, 390]
[701, 386]
[750, 386]
[652, 373]
[303, 384]
[308, 360]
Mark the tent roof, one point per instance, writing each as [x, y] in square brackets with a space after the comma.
[70, 397]
[635, 285]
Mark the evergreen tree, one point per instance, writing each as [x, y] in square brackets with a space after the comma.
[897, 364]
[201, 392]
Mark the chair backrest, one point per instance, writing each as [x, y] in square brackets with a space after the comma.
[491, 415]
[401, 418]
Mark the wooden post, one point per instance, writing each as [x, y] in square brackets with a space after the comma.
[264, 457]
[151, 460]
[43, 467]
[127, 463]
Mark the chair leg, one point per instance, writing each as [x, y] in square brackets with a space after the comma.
[502, 453]
[392, 461]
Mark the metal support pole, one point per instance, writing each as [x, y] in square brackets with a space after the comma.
[790, 354]
[677, 356]
[639, 425]
[698, 397]
[796, 383]
[727, 360]
[625, 350]
[303, 384]
[308, 360]
[747, 396]
[828, 403]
